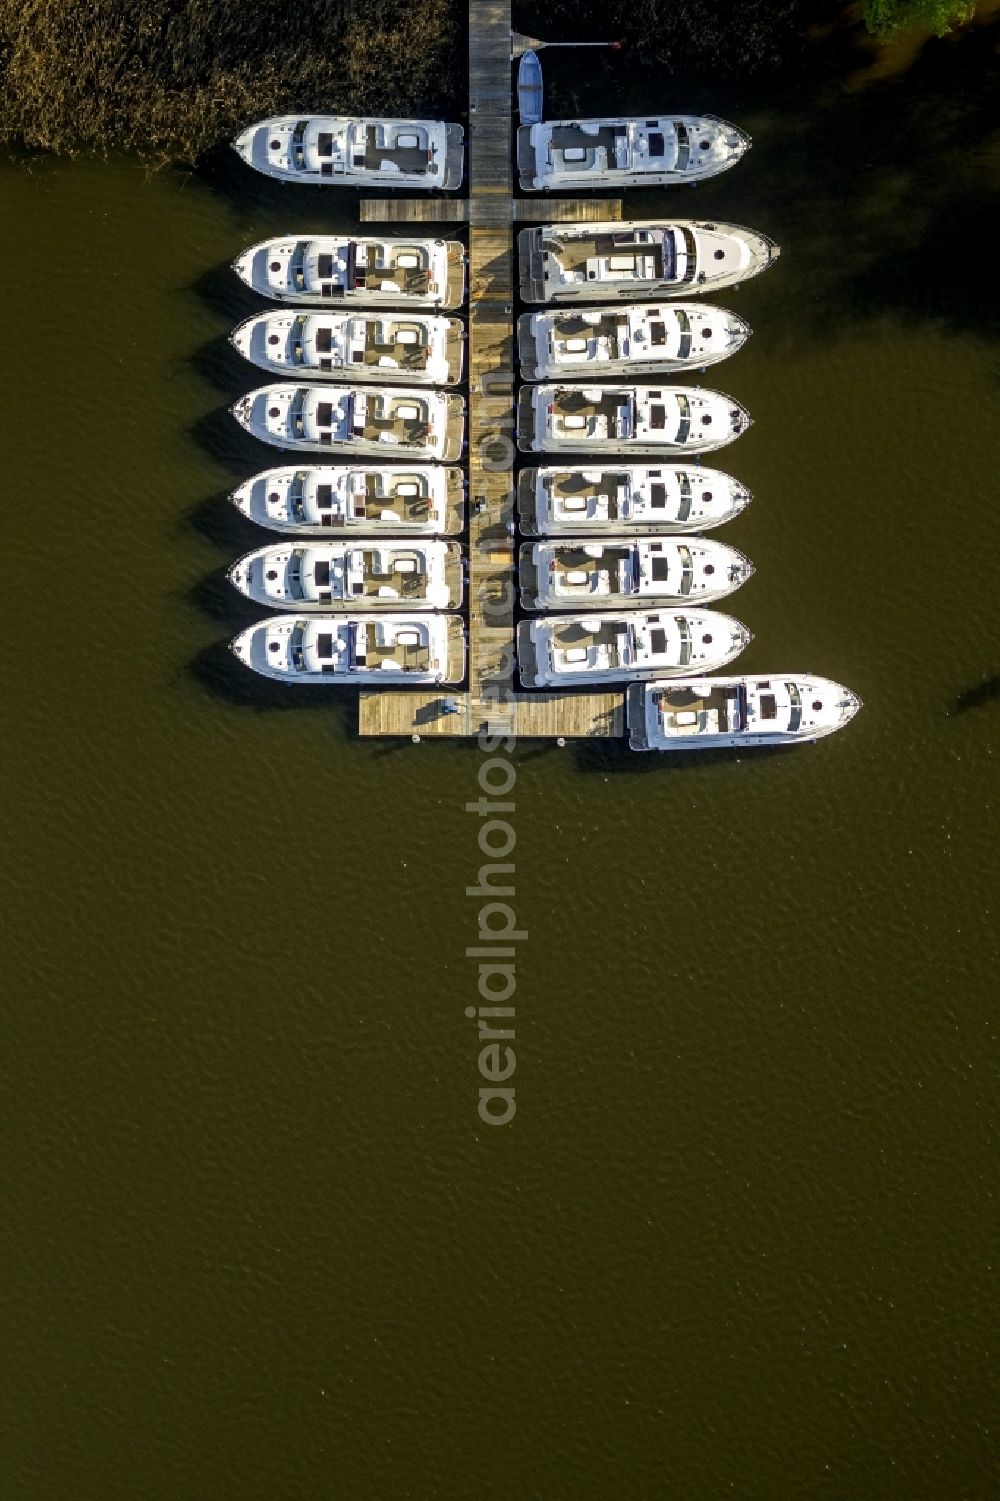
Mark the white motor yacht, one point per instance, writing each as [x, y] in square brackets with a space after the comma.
[626, 497]
[371, 574]
[637, 339]
[626, 419]
[633, 645]
[361, 649]
[714, 713]
[376, 420]
[612, 262]
[610, 571]
[621, 152]
[367, 272]
[318, 345]
[330, 499]
[351, 152]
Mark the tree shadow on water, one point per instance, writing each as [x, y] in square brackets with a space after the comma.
[985, 692]
[877, 171]
[885, 189]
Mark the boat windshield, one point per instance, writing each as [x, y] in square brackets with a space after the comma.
[684, 423]
[297, 149]
[795, 699]
[295, 562]
[684, 506]
[683, 146]
[684, 631]
[691, 252]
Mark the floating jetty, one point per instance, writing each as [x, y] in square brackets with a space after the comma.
[491, 703]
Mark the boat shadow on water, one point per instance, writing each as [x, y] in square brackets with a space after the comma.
[614, 757]
[216, 597]
[217, 672]
[223, 367]
[219, 522]
[222, 291]
[219, 434]
[259, 200]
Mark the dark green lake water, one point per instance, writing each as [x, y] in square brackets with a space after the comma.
[737, 1242]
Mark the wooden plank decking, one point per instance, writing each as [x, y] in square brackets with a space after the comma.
[490, 699]
[540, 209]
[414, 210]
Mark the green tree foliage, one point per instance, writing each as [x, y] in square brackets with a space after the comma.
[886, 17]
[171, 78]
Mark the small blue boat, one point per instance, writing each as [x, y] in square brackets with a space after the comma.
[529, 89]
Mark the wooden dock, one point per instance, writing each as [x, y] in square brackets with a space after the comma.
[491, 703]
[540, 210]
[543, 210]
[414, 210]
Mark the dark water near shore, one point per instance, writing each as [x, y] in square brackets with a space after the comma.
[257, 1244]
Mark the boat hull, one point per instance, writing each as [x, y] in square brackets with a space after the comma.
[326, 347]
[305, 270]
[269, 146]
[545, 412]
[599, 500]
[324, 576]
[341, 500]
[280, 646]
[623, 341]
[625, 261]
[618, 573]
[434, 431]
[622, 152]
[529, 89]
[838, 706]
[549, 647]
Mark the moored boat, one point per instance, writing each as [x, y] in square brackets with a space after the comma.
[374, 573]
[367, 272]
[355, 152]
[581, 575]
[626, 261]
[379, 346]
[625, 645]
[632, 497]
[374, 420]
[637, 339]
[621, 151]
[529, 89]
[715, 713]
[329, 499]
[626, 419]
[361, 649]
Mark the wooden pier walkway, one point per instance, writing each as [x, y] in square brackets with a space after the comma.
[414, 210]
[491, 704]
[456, 210]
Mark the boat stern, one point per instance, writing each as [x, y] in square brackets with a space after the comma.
[454, 162]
